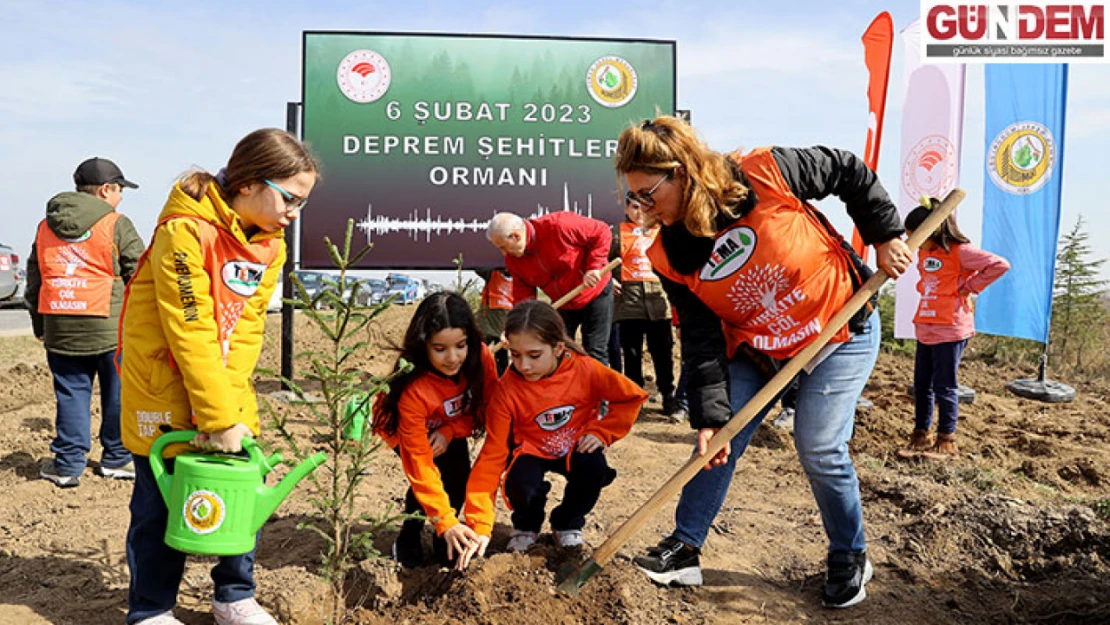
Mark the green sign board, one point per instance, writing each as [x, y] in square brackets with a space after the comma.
[424, 137]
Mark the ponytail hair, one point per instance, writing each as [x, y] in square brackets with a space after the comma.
[541, 320]
[944, 236]
[265, 154]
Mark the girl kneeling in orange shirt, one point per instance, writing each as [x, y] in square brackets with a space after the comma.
[547, 407]
[427, 416]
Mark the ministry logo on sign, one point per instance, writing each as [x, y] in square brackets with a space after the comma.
[1034, 31]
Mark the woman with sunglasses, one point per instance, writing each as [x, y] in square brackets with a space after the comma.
[754, 272]
[191, 335]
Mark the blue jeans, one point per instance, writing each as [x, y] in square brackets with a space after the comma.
[934, 379]
[73, 384]
[823, 422]
[157, 568]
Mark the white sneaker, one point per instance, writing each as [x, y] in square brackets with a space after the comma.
[521, 540]
[569, 538]
[165, 618]
[126, 472]
[241, 612]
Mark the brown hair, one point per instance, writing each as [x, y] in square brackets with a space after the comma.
[946, 234]
[267, 153]
[542, 320]
[665, 145]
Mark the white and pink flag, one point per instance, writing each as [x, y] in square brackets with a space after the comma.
[932, 129]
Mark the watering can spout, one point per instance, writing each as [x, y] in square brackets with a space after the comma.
[270, 498]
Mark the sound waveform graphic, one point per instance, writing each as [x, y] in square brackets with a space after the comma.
[415, 227]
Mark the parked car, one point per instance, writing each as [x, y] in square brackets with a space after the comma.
[9, 275]
[375, 290]
[402, 288]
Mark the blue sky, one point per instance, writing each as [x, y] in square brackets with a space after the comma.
[159, 87]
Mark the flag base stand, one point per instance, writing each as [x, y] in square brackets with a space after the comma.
[1042, 389]
[964, 394]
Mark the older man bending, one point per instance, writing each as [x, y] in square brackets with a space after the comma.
[556, 253]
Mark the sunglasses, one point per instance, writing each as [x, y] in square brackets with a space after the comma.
[292, 202]
[644, 199]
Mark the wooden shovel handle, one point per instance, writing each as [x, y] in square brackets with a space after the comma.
[569, 296]
[767, 394]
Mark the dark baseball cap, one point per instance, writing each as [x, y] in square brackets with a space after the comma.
[97, 171]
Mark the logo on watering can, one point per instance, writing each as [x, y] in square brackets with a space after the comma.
[204, 512]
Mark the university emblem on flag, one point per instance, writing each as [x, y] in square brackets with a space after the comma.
[1021, 158]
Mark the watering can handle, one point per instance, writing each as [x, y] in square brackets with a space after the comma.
[158, 466]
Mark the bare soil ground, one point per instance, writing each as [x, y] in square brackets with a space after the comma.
[1008, 533]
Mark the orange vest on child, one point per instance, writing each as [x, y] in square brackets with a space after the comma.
[434, 402]
[635, 264]
[236, 271]
[939, 286]
[775, 277]
[78, 274]
[546, 418]
[498, 292]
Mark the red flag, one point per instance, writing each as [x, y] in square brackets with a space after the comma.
[878, 40]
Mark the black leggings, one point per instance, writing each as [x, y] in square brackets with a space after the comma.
[527, 490]
[454, 470]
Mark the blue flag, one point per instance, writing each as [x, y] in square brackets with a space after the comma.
[1021, 199]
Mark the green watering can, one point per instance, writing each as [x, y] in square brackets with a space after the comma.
[217, 503]
[357, 414]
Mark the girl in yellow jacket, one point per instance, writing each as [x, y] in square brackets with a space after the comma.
[191, 334]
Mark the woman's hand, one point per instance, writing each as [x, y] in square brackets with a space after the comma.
[893, 257]
[704, 435]
[589, 444]
[228, 439]
[474, 545]
[438, 441]
[616, 287]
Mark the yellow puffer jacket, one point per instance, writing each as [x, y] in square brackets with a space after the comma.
[173, 370]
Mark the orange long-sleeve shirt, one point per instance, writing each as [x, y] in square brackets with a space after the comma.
[431, 402]
[546, 418]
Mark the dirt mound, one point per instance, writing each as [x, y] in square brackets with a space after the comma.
[520, 589]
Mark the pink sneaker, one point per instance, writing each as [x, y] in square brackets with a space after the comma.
[241, 612]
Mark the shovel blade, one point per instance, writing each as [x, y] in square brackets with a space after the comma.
[572, 577]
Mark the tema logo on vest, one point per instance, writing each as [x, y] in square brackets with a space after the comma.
[731, 251]
[363, 76]
[932, 264]
[1021, 158]
[453, 406]
[554, 418]
[242, 277]
[204, 512]
[612, 81]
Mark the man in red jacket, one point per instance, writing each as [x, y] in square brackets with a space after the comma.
[556, 253]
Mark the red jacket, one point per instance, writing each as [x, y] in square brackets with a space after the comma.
[560, 248]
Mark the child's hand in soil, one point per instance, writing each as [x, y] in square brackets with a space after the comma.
[477, 548]
[460, 540]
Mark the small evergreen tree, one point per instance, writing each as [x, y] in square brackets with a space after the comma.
[1078, 302]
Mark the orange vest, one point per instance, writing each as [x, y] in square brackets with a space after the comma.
[236, 272]
[78, 274]
[635, 265]
[498, 292]
[939, 286]
[776, 276]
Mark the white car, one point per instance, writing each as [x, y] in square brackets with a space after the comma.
[10, 279]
